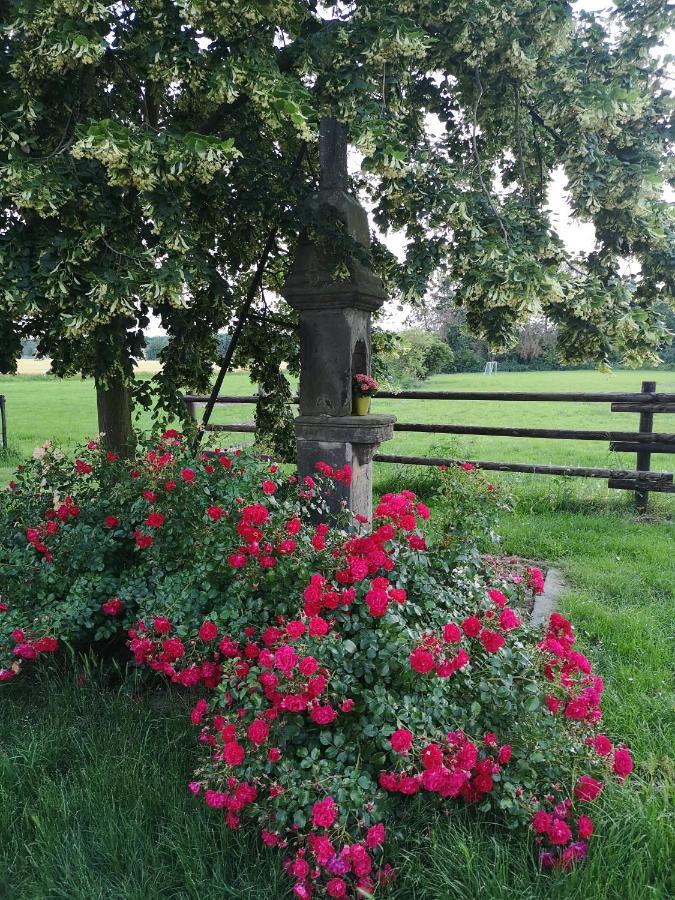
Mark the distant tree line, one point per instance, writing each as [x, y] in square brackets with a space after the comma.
[440, 341]
[154, 346]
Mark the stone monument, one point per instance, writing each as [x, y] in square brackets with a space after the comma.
[335, 338]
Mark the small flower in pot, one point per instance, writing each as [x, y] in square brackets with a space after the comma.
[364, 388]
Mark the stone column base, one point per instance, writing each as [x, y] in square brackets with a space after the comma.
[340, 441]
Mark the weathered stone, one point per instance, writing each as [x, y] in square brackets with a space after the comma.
[350, 441]
[548, 601]
[332, 155]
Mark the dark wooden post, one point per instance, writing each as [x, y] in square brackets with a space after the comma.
[644, 456]
[191, 409]
[3, 417]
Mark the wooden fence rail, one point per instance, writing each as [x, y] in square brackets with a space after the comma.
[642, 442]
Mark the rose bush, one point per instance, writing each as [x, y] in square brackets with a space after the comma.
[338, 672]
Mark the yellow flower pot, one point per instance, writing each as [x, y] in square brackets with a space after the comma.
[361, 405]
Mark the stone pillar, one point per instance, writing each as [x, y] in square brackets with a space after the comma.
[335, 340]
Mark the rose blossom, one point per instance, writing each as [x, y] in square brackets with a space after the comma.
[401, 740]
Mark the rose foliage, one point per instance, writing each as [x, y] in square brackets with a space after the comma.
[336, 672]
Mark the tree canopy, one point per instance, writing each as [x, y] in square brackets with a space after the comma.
[146, 150]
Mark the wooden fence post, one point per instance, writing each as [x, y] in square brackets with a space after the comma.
[191, 409]
[3, 417]
[644, 456]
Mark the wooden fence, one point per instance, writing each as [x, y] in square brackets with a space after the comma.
[644, 442]
[3, 423]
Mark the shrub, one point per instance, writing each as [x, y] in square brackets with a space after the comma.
[469, 505]
[339, 672]
[410, 356]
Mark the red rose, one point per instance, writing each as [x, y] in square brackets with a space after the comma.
[587, 788]
[452, 633]
[110, 521]
[508, 620]
[421, 661]
[336, 887]
[161, 625]
[112, 607]
[505, 754]
[295, 629]
[187, 475]
[258, 731]
[215, 513]
[46, 645]
[172, 649]
[401, 740]
[541, 821]
[559, 832]
[497, 597]
[324, 813]
[492, 641]
[584, 827]
[268, 487]
[576, 709]
[143, 541]
[603, 745]
[323, 715]
[237, 560]
[155, 520]
[623, 763]
[471, 626]
[233, 753]
[318, 627]
[208, 631]
[308, 666]
[377, 602]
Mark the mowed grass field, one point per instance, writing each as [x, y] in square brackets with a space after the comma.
[93, 802]
[40, 407]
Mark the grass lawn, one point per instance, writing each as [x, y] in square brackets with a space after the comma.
[93, 802]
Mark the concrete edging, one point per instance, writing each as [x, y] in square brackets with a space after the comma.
[547, 602]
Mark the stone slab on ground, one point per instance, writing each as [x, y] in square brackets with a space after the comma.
[548, 601]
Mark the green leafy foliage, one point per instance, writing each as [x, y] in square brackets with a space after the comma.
[146, 152]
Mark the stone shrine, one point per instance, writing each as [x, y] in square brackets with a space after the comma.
[335, 338]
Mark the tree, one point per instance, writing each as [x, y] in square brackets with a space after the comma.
[28, 348]
[416, 355]
[154, 346]
[534, 337]
[147, 150]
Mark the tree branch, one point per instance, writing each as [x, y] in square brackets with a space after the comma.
[474, 144]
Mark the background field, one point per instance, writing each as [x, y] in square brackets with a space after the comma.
[40, 407]
[71, 750]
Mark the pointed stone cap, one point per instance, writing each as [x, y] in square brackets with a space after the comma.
[311, 283]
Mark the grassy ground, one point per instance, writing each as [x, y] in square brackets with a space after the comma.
[92, 776]
[41, 407]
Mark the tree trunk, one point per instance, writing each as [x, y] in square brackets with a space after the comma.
[114, 418]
